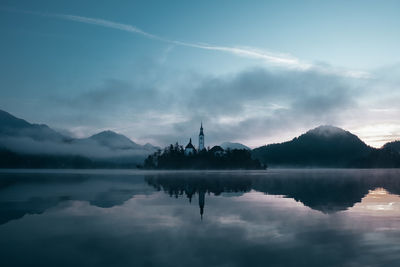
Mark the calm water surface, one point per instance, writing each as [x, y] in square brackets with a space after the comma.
[263, 218]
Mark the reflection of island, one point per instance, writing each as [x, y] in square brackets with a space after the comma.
[177, 185]
[326, 191]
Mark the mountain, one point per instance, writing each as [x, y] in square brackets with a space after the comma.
[394, 146]
[149, 146]
[28, 145]
[230, 145]
[36, 145]
[114, 140]
[324, 146]
[14, 127]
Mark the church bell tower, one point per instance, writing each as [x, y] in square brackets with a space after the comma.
[201, 138]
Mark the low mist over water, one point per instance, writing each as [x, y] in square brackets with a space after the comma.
[316, 217]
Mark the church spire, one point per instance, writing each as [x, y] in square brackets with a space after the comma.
[201, 138]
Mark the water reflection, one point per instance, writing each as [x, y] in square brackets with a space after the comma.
[327, 191]
[378, 202]
[34, 193]
[323, 190]
[273, 218]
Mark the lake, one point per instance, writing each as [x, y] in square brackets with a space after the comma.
[316, 217]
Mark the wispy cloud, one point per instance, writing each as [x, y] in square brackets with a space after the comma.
[252, 53]
[279, 59]
[245, 51]
[108, 24]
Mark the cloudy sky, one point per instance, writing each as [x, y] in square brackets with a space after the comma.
[254, 72]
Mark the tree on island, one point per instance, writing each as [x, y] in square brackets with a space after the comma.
[173, 157]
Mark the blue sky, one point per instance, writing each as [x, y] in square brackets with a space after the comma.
[255, 72]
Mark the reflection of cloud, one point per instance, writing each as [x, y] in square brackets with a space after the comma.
[379, 202]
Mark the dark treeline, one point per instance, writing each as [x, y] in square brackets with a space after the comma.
[173, 157]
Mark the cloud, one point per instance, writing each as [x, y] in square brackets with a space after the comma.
[108, 24]
[81, 147]
[278, 59]
[253, 104]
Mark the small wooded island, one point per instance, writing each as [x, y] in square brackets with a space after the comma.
[176, 157]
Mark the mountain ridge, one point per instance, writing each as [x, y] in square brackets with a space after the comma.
[13, 126]
[28, 139]
[323, 146]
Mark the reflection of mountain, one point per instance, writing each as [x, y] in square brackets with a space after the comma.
[326, 194]
[28, 145]
[11, 210]
[325, 190]
[22, 194]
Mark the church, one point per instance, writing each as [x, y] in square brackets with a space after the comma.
[190, 149]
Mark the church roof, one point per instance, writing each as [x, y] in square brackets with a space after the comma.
[190, 144]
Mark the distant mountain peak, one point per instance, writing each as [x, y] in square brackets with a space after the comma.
[114, 140]
[232, 145]
[327, 131]
[107, 133]
[326, 146]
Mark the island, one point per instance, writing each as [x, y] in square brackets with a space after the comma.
[174, 157]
